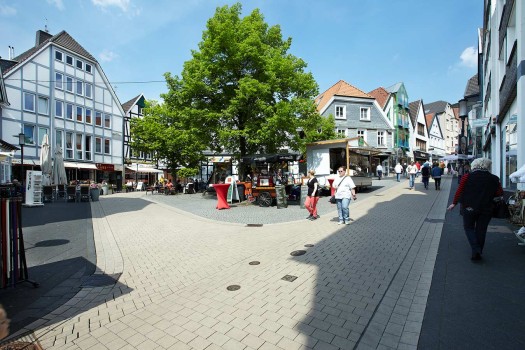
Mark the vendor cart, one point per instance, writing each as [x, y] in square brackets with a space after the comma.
[264, 190]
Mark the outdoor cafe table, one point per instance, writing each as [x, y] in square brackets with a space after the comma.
[222, 190]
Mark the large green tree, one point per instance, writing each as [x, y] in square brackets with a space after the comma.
[243, 92]
[166, 135]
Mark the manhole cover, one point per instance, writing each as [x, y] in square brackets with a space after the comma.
[51, 242]
[233, 287]
[308, 245]
[289, 278]
[434, 220]
[254, 225]
[101, 280]
[298, 252]
[254, 263]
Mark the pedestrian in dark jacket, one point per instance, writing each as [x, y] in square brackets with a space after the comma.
[425, 174]
[436, 175]
[476, 193]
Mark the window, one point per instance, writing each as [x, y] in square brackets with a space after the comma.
[88, 116]
[80, 114]
[58, 138]
[78, 146]
[107, 148]
[89, 89]
[362, 133]
[43, 105]
[69, 145]
[87, 147]
[381, 138]
[59, 109]
[59, 56]
[98, 118]
[69, 111]
[29, 101]
[107, 120]
[41, 133]
[69, 60]
[341, 133]
[29, 132]
[89, 69]
[365, 113]
[98, 145]
[59, 81]
[340, 112]
[80, 64]
[69, 84]
[80, 87]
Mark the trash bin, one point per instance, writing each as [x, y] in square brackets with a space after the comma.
[94, 194]
[280, 196]
[240, 189]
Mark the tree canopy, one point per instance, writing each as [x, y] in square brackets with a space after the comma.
[243, 92]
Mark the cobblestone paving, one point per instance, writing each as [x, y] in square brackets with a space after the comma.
[360, 286]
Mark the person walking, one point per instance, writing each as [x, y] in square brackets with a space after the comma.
[312, 197]
[379, 170]
[398, 169]
[476, 193]
[436, 175]
[411, 171]
[344, 193]
[418, 166]
[425, 174]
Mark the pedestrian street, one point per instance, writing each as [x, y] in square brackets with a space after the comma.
[360, 286]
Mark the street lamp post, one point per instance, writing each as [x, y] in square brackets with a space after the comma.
[462, 142]
[22, 142]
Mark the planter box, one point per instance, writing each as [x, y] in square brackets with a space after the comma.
[94, 193]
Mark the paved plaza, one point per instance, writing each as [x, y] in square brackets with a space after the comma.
[165, 266]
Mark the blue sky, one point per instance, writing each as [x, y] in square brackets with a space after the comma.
[429, 45]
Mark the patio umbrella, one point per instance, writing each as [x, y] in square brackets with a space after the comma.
[59, 171]
[45, 162]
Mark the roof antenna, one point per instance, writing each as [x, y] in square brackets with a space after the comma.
[45, 27]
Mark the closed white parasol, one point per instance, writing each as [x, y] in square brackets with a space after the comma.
[45, 162]
[59, 171]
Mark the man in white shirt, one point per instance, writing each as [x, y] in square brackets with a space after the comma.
[398, 169]
[412, 171]
[379, 170]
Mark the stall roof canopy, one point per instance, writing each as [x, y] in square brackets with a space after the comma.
[7, 147]
[354, 144]
[271, 158]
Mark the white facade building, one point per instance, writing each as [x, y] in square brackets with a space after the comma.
[58, 88]
[502, 78]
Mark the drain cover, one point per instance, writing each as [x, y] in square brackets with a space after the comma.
[101, 280]
[254, 263]
[434, 220]
[308, 245]
[298, 252]
[254, 225]
[233, 287]
[289, 278]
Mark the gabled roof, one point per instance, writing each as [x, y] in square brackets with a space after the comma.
[3, 93]
[413, 107]
[341, 88]
[472, 88]
[127, 106]
[381, 96]
[436, 107]
[394, 88]
[429, 119]
[62, 39]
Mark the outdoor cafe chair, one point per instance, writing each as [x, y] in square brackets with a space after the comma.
[71, 193]
[47, 194]
[84, 193]
[61, 191]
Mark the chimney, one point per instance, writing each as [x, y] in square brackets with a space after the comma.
[41, 36]
[11, 53]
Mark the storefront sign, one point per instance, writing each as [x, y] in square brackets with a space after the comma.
[105, 167]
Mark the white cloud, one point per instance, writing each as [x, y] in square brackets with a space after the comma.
[469, 57]
[58, 3]
[107, 56]
[124, 5]
[7, 10]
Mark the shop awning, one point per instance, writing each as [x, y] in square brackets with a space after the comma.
[271, 158]
[5, 146]
[144, 170]
[79, 165]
